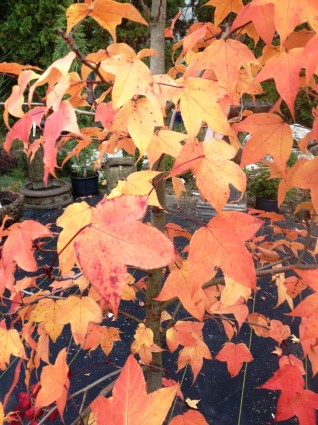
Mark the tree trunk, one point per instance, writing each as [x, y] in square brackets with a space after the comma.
[157, 66]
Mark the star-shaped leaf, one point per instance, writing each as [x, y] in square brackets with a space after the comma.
[130, 404]
[218, 237]
[114, 239]
[211, 158]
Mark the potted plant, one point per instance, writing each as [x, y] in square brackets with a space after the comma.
[264, 190]
[84, 177]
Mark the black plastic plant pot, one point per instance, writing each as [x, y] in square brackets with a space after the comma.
[268, 205]
[85, 186]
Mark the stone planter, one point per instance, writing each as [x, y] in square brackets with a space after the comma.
[11, 205]
[85, 186]
[119, 169]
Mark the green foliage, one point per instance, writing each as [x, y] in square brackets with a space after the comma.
[81, 165]
[261, 186]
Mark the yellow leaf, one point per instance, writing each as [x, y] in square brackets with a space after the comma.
[49, 312]
[79, 312]
[199, 102]
[192, 403]
[73, 219]
[132, 77]
[139, 183]
[10, 344]
[165, 141]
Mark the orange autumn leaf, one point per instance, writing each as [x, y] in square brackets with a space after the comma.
[130, 404]
[57, 70]
[54, 384]
[108, 14]
[10, 344]
[212, 158]
[194, 355]
[192, 417]
[233, 291]
[14, 68]
[309, 277]
[164, 141]
[17, 250]
[268, 15]
[224, 8]
[287, 83]
[234, 355]
[115, 239]
[178, 186]
[225, 57]
[79, 312]
[100, 335]
[218, 237]
[179, 284]
[182, 333]
[306, 307]
[270, 135]
[306, 177]
[144, 345]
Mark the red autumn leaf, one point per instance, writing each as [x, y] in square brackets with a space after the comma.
[303, 405]
[54, 384]
[294, 400]
[234, 355]
[115, 239]
[212, 158]
[218, 236]
[130, 404]
[64, 119]
[22, 128]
